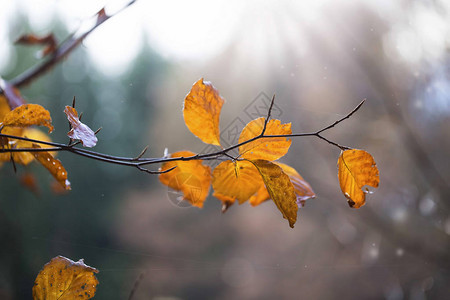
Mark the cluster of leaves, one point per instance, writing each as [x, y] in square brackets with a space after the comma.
[254, 175]
[18, 133]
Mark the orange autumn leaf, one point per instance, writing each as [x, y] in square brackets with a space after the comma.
[57, 188]
[302, 188]
[356, 169]
[265, 148]
[227, 201]
[3, 145]
[6, 143]
[4, 107]
[23, 158]
[280, 189]
[260, 196]
[38, 135]
[54, 166]
[201, 112]
[28, 180]
[64, 279]
[235, 180]
[192, 178]
[79, 130]
[28, 115]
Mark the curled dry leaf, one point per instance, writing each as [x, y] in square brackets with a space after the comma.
[48, 41]
[28, 115]
[201, 112]
[280, 189]
[302, 188]
[265, 148]
[235, 180]
[54, 166]
[79, 130]
[191, 177]
[356, 169]
[64, 279]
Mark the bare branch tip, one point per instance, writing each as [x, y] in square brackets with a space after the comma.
[361, 103]
[160, 172]
[98, 130]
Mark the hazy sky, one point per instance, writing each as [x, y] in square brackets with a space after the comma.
[200, 29]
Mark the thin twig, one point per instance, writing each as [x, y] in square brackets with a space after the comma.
[139, 162]
[269, 112]
[136, 285]
[342, 119]
[142, 153]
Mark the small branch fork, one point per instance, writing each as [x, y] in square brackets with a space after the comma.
[140, 162]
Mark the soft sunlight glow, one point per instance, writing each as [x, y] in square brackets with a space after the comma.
[190, 29]
[177, 29]
[199, 30]
[115, 44]
[422, 36]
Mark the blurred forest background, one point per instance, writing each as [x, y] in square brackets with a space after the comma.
[320, 58]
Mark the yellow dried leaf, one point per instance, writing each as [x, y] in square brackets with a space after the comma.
[303, 190]
[191, 177]
[265, 148]
[201, 112]
[260, 196]
[6, 143]
[23, 158]
[236, 180]
[64, 279]
[54, 166]
[36, 134]
[4, 107]
[280, 189]
[27, 115]
[356, 169]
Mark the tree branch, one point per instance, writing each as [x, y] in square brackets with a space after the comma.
[60, 52]
[139, 161]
